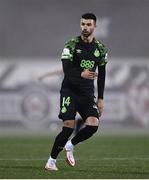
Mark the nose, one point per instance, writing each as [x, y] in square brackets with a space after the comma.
[84, 27]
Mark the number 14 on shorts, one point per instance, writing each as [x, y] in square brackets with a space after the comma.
[66, 101]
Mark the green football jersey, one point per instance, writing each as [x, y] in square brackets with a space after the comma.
[81, 56]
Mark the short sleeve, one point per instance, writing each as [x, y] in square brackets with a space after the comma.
[103, 53]
[69, 48]
[104, 59]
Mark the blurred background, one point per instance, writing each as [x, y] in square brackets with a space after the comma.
[32, 36]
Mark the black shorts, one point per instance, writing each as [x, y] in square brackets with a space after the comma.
[71, 103]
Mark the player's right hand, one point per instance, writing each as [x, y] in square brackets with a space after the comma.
[87, 74]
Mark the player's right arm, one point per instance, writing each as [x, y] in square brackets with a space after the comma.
[67, 58]
[87, 74]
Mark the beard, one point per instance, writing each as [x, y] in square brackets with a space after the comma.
[86, 34]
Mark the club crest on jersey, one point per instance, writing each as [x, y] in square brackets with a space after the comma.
[78, 51]
[96, 53]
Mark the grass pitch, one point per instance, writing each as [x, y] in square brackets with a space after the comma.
[100, 157]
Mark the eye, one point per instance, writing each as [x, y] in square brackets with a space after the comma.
[89, 24]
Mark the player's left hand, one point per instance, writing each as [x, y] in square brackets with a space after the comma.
[100, 105]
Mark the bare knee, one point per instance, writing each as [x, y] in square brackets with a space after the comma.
[69, 123]
[92, 121]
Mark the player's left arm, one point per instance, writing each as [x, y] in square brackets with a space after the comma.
[101, 81]
[100, 87]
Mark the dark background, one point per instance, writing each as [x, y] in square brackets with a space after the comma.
[39, 28]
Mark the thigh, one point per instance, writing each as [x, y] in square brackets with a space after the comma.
[67, 106]
[87, 108]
